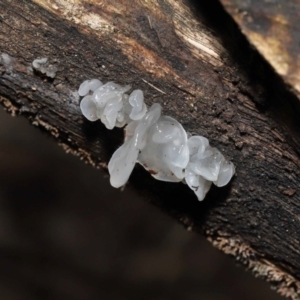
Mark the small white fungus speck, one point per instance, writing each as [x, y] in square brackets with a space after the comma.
[41, 65]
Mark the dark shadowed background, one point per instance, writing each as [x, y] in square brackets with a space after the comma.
[66, 234]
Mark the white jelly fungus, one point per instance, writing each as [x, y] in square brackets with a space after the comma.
[206, 165]
[110, 103]
[123, 160]
[159, 143]
[40, 64]
[165, 154]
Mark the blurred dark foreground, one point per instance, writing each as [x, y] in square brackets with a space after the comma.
[66, 234]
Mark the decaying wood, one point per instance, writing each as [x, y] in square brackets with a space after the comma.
[192, 59]
[273, 28]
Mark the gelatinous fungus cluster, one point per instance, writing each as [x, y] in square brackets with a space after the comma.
[159, 143]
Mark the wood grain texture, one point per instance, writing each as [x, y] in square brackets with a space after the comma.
[273, 28]
[193, 60]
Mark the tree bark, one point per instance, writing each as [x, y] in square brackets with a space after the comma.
[192, 59]
[273, 29]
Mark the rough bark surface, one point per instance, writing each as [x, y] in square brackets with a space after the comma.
[273, 28]
[192, 59]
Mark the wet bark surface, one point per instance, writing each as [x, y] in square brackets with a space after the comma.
[193, 60]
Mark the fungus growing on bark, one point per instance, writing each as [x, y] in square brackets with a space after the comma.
[159, 143]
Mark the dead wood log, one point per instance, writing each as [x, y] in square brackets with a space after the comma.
[273, 28]
[193, 60]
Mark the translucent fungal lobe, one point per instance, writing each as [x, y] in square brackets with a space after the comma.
[159, 143]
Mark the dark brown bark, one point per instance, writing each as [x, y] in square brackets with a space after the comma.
[273, 28]
[193, 60]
